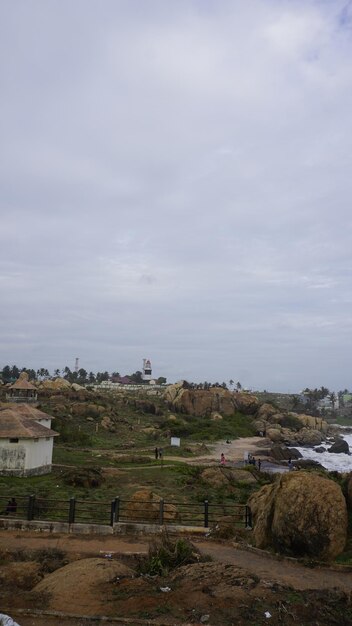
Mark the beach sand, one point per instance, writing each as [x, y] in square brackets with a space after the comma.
[234, 451]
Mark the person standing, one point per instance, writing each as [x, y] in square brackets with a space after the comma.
[222, 459]
[156, 452]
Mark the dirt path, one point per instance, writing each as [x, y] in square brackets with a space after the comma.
[284, 572]
[234, 451]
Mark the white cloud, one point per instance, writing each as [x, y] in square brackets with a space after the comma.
[175, 184]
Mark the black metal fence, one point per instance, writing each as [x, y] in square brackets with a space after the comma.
[74, 510]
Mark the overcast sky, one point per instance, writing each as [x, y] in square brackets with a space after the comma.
[176, 184]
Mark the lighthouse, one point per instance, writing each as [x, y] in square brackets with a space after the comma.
[147, 370]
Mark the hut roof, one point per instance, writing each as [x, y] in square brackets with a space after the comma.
[26, 410]
[22, 382]
[15, 425]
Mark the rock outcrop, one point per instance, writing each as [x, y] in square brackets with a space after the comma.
[349, 491]
[340, 447]
[301, 514]
[220, 477]
[204, 403]
[282, 453]
[144, 506]
[55, 385]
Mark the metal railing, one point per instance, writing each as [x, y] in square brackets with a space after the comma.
[75, 510]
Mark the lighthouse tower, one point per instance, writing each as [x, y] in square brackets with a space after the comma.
[147, 370]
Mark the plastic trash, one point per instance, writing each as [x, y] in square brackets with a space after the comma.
[267, 614]
[165, 589]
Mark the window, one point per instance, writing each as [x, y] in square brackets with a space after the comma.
[13, 440]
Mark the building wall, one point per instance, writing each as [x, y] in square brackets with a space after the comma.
[12, 455]
[28, 456]
[38, 452]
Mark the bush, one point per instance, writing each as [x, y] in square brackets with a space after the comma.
[86, 477]
[165, 554]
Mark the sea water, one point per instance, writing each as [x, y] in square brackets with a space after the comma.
[330, 460]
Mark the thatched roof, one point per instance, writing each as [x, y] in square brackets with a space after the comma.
[23, 383]
[26, 410]
[15, 425]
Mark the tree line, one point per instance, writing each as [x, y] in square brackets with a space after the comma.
[10, 373]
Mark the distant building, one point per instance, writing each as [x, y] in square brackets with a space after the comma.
[22, 390]
[147, 370]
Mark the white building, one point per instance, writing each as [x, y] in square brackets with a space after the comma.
[147, 370]
[26, 444]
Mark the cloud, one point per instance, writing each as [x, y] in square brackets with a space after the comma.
[175, 184]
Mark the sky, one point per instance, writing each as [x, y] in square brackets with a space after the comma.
[176, 184]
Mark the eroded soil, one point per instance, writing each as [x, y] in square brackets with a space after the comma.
[235, 587]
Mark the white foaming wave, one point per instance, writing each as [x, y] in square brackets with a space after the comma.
[330, 460]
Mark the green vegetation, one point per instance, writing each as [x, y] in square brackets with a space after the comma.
[205, 429]
[166, 554]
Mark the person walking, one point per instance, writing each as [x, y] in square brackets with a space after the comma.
[222, 459]
[156, 452]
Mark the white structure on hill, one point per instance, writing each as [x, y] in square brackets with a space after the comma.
[147, 370]
[26, 441]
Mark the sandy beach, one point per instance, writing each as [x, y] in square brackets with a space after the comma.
[234, 451]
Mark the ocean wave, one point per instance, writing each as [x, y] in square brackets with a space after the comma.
[330, 460]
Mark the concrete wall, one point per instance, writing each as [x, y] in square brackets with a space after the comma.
[12, 455]
[27, 457]
[38, 452]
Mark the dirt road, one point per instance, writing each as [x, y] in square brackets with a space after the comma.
[284, 571]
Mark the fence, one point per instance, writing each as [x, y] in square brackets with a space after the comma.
[120, 510]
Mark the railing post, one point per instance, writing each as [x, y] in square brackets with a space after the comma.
[30, 508]
[112, 512]
[206, 514]
[161, 512]
[72, 510]
[117, 510]
[248, 517]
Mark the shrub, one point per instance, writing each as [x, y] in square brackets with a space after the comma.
[165, 554]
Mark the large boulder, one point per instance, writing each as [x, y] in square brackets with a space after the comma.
[349, 491]
[315, 423]
[56, 384]
[88, 409]
[144, 506]
[281, 453]
[266, 411]
[77, 387]
[340, 447]
[246, 403]
[204, 403]
[214, 477]
[308, 437]
[275, 435]
[301, 514]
